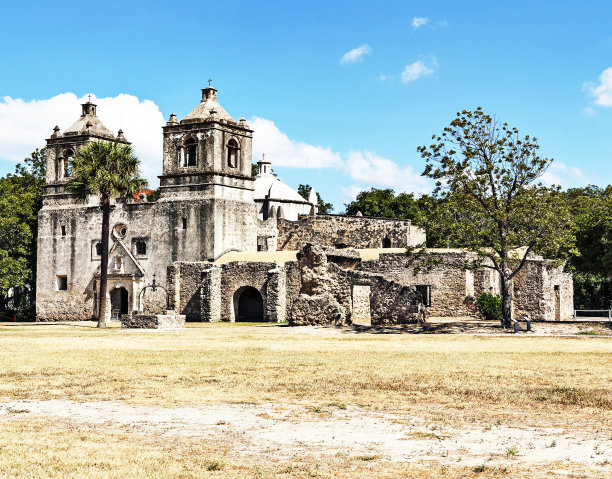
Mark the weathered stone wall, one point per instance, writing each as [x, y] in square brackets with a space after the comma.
[169, 320]
[347, 231]
[210, 294]
[267, 235]
[542, 293]
[326, 293]
[450, 285]
[238, 275]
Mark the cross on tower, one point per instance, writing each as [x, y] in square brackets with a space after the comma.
[89, 98]
[209, 81]
[263, 156]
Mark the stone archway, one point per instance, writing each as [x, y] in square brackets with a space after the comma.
[119, 301]
[248, 305]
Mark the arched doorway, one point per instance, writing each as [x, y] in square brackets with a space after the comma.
[248, 305]
[119, 302]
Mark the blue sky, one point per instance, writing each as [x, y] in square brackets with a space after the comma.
[341, 126]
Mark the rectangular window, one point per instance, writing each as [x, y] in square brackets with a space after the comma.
[62, 283]
[184, 223]
[63, 230]
[425, 291]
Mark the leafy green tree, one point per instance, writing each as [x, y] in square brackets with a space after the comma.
[110, 170]
[323, 206]
[385, 203]
[487, 177]
[20, 201]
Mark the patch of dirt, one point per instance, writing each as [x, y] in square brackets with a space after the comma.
[284, 432]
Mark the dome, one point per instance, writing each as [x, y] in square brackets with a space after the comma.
[89, 124]
[268, 186]
[209, 106]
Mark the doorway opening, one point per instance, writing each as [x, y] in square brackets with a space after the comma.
[248, 305]
[119, 302]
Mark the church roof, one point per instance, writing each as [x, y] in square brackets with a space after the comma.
[208, 108]
[89, 124]
[269, 186]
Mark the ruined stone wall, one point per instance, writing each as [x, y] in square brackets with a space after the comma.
[237, 275]
[542, 293]
[267, 235]
[347, 231]
[451, 287]
[184, 282]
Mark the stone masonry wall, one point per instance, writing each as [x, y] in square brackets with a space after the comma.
[348, 231]
[448, 281]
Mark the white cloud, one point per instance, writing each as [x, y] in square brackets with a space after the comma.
[362, 169]
[565, 176]
[356, 54]
[603, 91]
[368, 169]
[418, 69]
[26, 124]
[283, 151]
[419, 21]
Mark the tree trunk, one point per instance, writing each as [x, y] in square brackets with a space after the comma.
[506, 293]
[104, 262]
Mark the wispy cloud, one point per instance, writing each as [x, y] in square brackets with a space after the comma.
[602, 92]
[361, 169]
[283, 151]
[565, 176]
[356, 54]
[25, 124]
[418, 69]
[419, 21]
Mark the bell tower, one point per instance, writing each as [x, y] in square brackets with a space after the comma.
[61, 148]
[207, 163]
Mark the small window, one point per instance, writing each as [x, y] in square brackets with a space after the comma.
[63, 230]
[98, 249]
[141, 247]
[386, 242]
[190, 152]
[184, 223]
[62, 283]
[425, 291]
[232, 153]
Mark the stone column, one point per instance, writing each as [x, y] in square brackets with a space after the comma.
[210, 294]
[276, 301]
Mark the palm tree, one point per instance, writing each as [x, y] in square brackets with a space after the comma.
[110, 170]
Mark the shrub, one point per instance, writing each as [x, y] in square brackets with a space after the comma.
[490, 306]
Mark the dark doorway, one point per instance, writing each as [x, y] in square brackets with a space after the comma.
[386, 242]
[248, 305]
[119, 301]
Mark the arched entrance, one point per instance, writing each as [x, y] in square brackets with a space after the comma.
[119, 302]
[248, 305]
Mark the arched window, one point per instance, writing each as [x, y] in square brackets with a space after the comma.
[232, 153]
[191, 152]
[68, 158]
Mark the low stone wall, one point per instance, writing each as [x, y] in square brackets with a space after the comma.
[451, 287]
[170, 320]
[347, 231]
[326, 293]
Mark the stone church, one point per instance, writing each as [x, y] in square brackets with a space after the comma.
[227, 246]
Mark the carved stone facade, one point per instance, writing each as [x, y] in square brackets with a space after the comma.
[211, 209]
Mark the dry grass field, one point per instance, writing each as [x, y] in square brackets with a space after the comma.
[231, 400]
